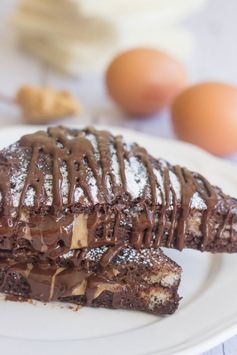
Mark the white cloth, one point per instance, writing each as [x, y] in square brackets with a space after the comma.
[77, 36]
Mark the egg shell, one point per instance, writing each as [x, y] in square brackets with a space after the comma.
[206, 115]
[142, 81]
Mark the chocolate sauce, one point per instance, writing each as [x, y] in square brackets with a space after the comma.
[110, 254]
[152, 222]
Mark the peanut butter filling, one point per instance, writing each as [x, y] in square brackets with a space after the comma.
[80, 232]
[107, 287]
[80, 289]
[28, 270]
[58, 271]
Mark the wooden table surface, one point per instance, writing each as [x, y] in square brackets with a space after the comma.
[215, 57]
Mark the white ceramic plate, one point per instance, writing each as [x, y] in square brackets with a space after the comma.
[207, 313]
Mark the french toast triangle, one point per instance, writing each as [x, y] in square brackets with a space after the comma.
[68, 189]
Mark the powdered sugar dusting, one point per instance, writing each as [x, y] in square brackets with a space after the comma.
[65, 182]
[160, 186]
[114, 164]
[11, 148]
[91, 137]
[96, 254]
[174, 181]
[68, 255]
[48, 185]
[18, 176]
[197, 202]
[93, 185]
[145, 257]
[30, 196]
[136, 176]
[78, 193]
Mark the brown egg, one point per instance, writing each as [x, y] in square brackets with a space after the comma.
[143, 81]
[206, 115]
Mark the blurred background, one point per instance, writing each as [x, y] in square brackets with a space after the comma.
[69, 44]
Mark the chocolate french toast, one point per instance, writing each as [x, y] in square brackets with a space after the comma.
[68, 189]
[109, 277]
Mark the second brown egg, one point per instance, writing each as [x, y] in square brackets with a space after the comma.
[142, 81]
[206, 115]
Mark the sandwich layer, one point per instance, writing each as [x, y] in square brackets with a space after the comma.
[67, 189]
[143, 280]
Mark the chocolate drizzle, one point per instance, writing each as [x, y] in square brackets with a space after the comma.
[110, 254]
[155, 213]
[78, 154]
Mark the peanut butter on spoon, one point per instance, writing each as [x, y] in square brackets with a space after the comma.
[44, 104]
